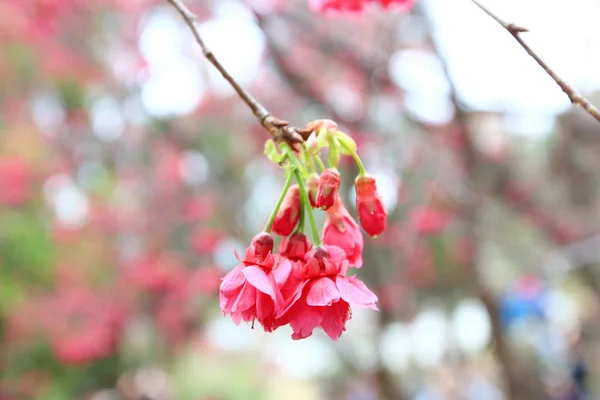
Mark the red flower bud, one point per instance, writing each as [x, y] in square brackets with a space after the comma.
[329, 183]
[369, 204]
[294, 247]
[288, 214]
[321, 262]
[263, 245]
[317, 124]
[341, 230]
[312, 187]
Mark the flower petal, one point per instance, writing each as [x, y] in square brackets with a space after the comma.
[259, 279]
[232, 281]
[334, 319]
[282, 272]
[303, 319]
[237, 255]
[344, 267]
[246, 298]
[279, 301]
[264, 310]
[226, 303]
[266, 284]
[336, 254]
[248, 315]
[322, 292]
[355, 292]
[294, 297]
[236, 317]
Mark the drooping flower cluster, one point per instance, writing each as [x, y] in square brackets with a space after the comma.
[306, 284]
[355, 5]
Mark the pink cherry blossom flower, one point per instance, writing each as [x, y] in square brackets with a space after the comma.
[341, 230]
[325, 294]
[252, 290]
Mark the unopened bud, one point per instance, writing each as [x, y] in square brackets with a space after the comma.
[263, 245]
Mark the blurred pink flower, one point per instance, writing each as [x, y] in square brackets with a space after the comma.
[16, 178]
[204, 240]
[428, 221]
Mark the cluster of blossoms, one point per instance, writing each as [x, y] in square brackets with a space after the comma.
[355, 5]
[305, 284]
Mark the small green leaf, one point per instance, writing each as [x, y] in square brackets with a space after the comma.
[271, 152]
[322, 138]
[348, 145]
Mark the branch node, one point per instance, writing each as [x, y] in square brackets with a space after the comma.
[576, 98]
[516, 29]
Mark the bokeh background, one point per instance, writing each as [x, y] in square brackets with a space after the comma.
[129, 171]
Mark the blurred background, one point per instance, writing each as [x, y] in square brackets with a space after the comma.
[129, 171]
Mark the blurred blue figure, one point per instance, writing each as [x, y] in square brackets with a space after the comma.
[525, 300]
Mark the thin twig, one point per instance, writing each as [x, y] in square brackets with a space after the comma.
[515, 30]
[276, 127]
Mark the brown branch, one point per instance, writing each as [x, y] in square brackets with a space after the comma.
[276, 127]
[515, 30]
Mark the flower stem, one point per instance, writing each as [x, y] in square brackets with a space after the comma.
[361, 168]
[306, 204]
[313, 165]
[286, 186]
[300, 227]
[320, 162]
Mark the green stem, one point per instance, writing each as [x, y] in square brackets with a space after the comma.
[319, 162]
[306, 203]
[313, 165]
[300, 227]
[286, 186]
[361, 168]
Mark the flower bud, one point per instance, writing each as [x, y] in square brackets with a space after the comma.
[312, 144]
[369, 204]
[312, 188]
[288, 214]
[341, 230]
[263, 245]
[319, 263]
[294, 247]
[329, 183]
[317, 124]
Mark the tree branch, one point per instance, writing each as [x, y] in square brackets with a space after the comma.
[279, 129]
[515, 30]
